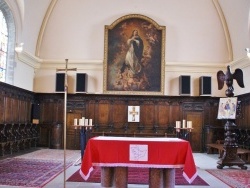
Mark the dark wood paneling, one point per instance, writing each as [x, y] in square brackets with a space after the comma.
[120, 112]
[8, 110]
[109, 112]
[2, 106]
[103, 112]
[15, 104]
[162, 117]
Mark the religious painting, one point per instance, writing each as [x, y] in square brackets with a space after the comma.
[134, 56]
[133, 113]
[227, 108]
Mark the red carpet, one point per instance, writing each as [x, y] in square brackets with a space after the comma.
[35, 169]
[232, 177]
[136, 176]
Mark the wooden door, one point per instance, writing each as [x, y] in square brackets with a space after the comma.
[196, 134]
[73, 135]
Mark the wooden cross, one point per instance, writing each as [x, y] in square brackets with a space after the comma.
[133, 113]
[65, 111]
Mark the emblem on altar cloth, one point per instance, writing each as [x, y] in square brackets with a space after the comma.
[138, 152]
[133, 113]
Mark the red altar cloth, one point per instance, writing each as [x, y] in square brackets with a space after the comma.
[138, 152]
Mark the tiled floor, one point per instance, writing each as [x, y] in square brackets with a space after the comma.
[202, 160]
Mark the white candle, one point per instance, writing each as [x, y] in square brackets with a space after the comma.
[189, 124]
[184, 123]
[90, 121]
[75, 121]
[80, 121]
[178, 124]
[86, 122]
[83, 120]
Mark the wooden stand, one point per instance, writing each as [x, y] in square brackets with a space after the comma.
[230, 156]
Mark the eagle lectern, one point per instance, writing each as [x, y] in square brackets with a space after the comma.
[230, 156]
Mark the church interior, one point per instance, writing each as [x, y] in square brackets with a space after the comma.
[70, 71]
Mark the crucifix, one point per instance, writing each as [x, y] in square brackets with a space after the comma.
[65, 111]
[133, 114]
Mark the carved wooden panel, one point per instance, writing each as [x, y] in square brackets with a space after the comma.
[120, 112]
[163, 114]
[91, 110]
[103, 112]
[147, 114]
[24, 111]
[8, 110]
[175, 114]
[47, 110]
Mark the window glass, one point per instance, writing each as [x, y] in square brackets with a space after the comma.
[3, 46]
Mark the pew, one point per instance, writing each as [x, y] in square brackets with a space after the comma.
[244, 154]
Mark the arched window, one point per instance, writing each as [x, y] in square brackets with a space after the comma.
[7, 46]
[3, 47]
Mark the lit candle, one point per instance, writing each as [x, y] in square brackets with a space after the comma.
[75, 121]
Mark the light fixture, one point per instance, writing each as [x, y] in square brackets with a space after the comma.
[248, 52]
[19, 47]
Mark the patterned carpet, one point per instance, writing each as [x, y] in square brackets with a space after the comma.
[136, 176]
[233, 177]
[35, 169]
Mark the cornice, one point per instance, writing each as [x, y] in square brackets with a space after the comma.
[29, 59]
[192, 67]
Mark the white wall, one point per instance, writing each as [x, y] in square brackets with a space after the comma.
[195, 39]
[23, 75]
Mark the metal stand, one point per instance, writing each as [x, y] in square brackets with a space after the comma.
[184, 133]
[65, 115]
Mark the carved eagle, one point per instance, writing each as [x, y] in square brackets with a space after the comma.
[228, 78]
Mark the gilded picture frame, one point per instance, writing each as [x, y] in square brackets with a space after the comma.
[134, 56]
